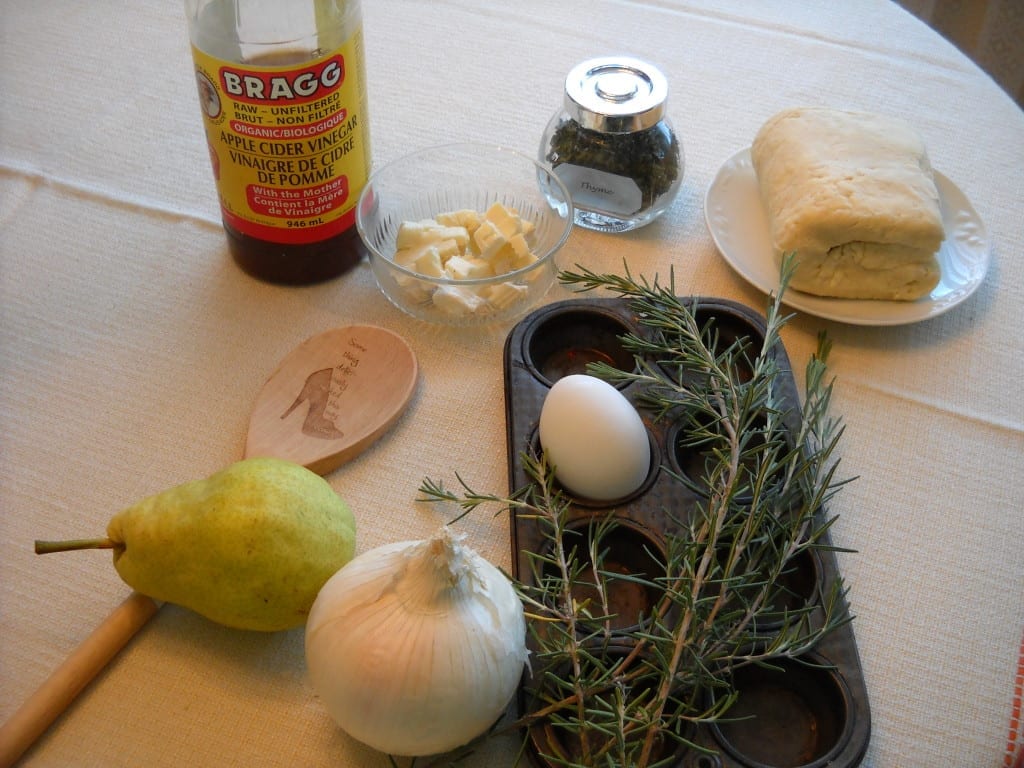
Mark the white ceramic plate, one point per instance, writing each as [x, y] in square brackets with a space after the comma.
[732, 208]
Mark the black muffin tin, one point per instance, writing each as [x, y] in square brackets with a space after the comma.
[806, 716]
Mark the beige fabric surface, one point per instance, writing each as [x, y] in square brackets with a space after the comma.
[131, 349]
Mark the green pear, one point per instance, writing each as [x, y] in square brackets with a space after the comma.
[249, 546]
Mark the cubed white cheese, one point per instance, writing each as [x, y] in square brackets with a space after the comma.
[413, 234]
[488, 239]
[466, 217]
[507, 222]
[504, 295]
[457, 300]
[501, 262]
[462, 268]
[407, 257]
[524, 260]
[430, 263]
[416, 233]
[449, 248]
[521, 249]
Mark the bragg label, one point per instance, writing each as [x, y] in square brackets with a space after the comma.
[287, 143]
[254, 87]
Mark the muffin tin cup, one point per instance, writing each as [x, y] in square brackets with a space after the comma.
[633, 551]
[794, 714]
[813, 713]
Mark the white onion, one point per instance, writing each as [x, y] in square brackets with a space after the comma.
[416, 647]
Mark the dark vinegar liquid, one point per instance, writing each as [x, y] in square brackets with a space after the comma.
[296, 264]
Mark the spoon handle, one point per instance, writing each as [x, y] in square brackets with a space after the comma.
[67, 681]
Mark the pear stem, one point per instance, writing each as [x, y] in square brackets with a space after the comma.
[46, 547]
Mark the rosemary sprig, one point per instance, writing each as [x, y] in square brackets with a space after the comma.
[769, 472]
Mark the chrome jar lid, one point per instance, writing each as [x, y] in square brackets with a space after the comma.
[616, 94]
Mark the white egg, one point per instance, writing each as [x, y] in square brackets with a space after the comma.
[594, 437]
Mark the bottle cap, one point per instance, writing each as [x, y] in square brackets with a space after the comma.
[616, 94]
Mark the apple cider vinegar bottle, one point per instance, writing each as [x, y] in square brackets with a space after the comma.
[283, 99]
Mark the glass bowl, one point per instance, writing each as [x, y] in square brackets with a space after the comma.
[485, 286]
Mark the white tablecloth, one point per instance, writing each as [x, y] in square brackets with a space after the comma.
[131, 349]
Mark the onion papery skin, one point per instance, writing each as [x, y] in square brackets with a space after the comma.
[417, 647]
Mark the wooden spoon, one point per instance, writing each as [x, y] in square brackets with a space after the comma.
[332, 397]
[326, 403]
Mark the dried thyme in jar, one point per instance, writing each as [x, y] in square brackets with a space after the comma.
[613, 145]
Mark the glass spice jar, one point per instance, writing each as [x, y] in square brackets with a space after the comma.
[612, 144]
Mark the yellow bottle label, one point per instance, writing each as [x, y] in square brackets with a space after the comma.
[288, 144]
